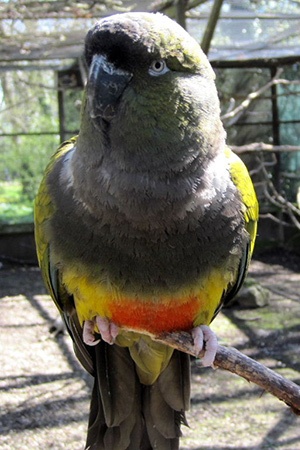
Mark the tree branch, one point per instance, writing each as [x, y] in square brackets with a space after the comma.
[211, 25]
[274, 197]
[234, 115]
[263, 147]
[240, 364]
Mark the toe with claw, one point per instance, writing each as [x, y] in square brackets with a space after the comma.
[108, 330]
[205, 339]
[88, 333]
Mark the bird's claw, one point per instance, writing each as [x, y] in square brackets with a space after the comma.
[108, 330]
[88, 333]
[205, 339]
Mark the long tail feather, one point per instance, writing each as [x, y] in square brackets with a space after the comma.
[126, 415]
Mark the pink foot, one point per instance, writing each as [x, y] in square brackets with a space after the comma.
[108, 330]
[205, 339]
[88, 333]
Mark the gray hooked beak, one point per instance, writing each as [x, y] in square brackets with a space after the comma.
[106, 84]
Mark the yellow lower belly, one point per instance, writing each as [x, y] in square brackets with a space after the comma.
[187, 308]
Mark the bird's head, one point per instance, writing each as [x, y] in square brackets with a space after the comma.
[142, 51]
[150, 89]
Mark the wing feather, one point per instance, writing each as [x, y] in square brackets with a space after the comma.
[241, 179]
[43, 211]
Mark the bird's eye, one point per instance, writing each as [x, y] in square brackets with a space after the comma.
[158, 67]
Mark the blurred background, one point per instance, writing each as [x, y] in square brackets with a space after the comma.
[254, 47]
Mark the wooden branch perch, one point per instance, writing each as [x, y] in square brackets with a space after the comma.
[240, 364]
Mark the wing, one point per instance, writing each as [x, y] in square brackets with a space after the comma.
[241, 178]
[43, 211]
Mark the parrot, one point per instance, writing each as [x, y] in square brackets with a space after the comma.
[145, 224]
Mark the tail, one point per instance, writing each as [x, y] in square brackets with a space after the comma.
[127, 415]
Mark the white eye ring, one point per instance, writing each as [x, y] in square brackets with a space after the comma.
[158, 67]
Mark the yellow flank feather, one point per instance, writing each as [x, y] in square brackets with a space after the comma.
[242, 181]
[138, 317]
[191, 306]
[43, 211]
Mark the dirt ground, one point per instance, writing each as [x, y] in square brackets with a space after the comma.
[44, 393]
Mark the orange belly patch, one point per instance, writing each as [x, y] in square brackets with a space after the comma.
[155, 317]
[189, 307]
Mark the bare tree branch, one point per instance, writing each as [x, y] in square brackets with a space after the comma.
[163, 5]
[275, 219]
[234, 115]
[274, 197]
[263, 147]
[277, 198]
[211, 25]
[34, 9]
[240, 364]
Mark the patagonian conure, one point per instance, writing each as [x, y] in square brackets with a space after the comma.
[145, 223]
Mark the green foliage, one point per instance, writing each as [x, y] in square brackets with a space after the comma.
[13, 208]
[29, 111]
[24, 159]
[28, 107]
